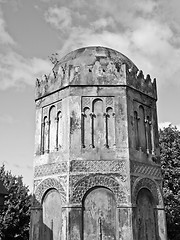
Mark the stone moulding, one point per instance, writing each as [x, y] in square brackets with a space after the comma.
[46, 185]
[97, 180]
[148, 183]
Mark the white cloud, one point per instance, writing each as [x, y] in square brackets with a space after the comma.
[15, 69]
[5, 38]
[60, 18]
[103, 23]
[137, 29]
[146, 6]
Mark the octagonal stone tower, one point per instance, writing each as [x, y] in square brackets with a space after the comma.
[96, 167]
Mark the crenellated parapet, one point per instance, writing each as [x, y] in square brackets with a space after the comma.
[95, 66]
[137, 80]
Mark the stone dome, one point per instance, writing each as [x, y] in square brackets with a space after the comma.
[94, 66]
[89, 55]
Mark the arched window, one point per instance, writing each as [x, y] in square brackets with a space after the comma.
[141, 129]
[149, 139]
[59, 131]
[110, 127]
[136, 131]
[52, 128]
[86, 127]
[44, 138]
[98, 133]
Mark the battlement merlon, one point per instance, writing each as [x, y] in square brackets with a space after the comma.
[105, 67]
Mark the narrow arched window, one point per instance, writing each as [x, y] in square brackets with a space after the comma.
[98, 136]
[86, 127]
[59, 131]
[110, 127]
[141, 129]
[136, 131]
[149, 139]
[52, 128]
[45, 128]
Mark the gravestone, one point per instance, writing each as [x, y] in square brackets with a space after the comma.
[97, 163]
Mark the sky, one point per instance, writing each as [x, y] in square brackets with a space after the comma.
[146, 31]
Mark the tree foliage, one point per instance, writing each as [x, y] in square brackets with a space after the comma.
[170, 165]
[15, 217]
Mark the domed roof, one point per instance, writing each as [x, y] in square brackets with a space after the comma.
[94, 66]
[89, 55]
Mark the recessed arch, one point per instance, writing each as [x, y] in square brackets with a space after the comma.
[99, 214]
[145, 215]
[51, 214]
[46, 185]
[98, 180]
[148, 184]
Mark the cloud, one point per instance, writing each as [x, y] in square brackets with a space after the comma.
[140, 30]
[60, 18]
[5, 38]
[16, 70]
[103, 23]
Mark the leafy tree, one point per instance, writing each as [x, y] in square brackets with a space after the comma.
[15, 217]
[170, 165]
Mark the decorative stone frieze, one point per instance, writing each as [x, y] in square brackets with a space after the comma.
[145, 169]
[50, 169]
[98, 166]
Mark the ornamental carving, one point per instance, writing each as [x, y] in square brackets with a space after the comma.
[98, 166]
[141, 168]
[50, 169]
[144, 183]
[88, 182]
[46, 185]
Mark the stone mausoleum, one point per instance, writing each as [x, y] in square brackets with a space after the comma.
[97, 169]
